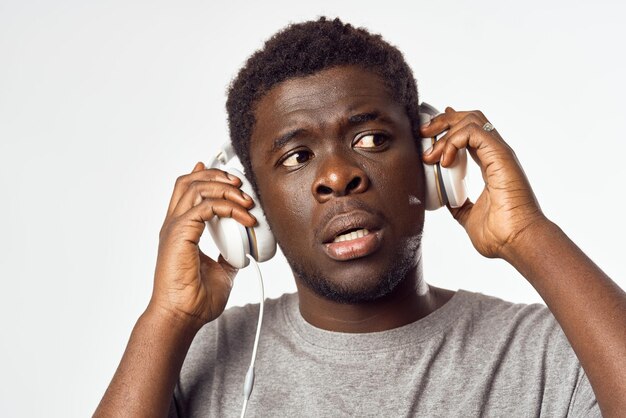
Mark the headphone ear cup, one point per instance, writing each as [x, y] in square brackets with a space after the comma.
[453, 180]
[445, 185]
[234, 240]
[262, 241]
[231, 240]
[434, 194]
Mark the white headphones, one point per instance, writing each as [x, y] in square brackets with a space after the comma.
[443, 185]
[235, 241]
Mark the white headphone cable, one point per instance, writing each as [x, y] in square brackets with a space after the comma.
[249, 382]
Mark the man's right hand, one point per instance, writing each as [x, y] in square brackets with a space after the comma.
[188, 284]
[190, 289]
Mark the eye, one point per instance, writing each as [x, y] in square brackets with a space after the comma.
[298, 157]
[372, 140]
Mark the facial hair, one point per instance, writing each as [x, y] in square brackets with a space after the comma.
[396, 271]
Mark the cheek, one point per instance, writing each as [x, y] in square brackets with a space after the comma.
[287, 209]
[280, 201]
[402, 178]
[402, 187]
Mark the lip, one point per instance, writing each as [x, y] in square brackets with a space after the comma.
[346, 221]
[356, 248]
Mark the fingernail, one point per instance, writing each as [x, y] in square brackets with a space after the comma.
[231, 177]
[425, 125]
[428, 151]
[245, 196]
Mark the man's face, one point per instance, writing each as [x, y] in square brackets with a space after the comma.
[332, 153]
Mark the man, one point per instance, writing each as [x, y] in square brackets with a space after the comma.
[324, 120]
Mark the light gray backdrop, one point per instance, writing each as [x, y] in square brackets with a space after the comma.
[104, 104]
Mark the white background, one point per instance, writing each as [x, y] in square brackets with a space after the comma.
[103, 105]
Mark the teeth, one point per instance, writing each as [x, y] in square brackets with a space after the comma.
[360, 233]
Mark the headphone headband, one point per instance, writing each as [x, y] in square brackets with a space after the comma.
[428, 109]
[224, 155]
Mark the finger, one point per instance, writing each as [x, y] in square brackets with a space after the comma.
[448, 145]
[468, 135]
[446, 121]
[450, 122]
[199, 190]
[445, 150]
[199, 173]
[175, 194]
[471, 135]
[189, 226]
[466, 119]
[210, 208]
[441, 122]
[449, 148]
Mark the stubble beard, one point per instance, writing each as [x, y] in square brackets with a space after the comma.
[396, 271]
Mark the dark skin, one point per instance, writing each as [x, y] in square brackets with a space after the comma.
[191, 289]
[341, 166]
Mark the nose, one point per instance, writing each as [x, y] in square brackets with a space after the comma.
[338, 176]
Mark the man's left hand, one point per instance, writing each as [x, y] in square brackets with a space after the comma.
[507, 205]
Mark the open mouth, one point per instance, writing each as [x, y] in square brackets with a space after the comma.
[355, 243]
[351, 234]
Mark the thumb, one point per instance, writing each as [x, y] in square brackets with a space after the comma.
[461, 214]
[199, 166]
[230, 270]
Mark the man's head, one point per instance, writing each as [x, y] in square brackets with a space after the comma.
[329, 142]
[306, 48]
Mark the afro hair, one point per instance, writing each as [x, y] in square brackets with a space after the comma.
[303, 49]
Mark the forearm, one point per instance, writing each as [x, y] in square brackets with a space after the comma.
[144, 381]
[588, 305]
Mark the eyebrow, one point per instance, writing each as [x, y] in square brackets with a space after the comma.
[352, 121]
[283, 139]
[363, 117]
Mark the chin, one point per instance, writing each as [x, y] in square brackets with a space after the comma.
[360, 280]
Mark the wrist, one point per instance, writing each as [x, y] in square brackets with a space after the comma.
[179, 323]
[527, 241]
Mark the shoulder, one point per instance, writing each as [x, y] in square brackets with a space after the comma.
[497, 312]
[234, 328]
[530, 329]
[529, 338]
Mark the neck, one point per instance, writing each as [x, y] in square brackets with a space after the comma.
[411, 300]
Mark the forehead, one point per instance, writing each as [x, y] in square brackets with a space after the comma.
[327, 86]
[319, 99]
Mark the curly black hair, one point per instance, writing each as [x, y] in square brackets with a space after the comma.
[303, 49]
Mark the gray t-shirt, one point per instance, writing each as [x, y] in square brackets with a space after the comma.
[475, 356]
